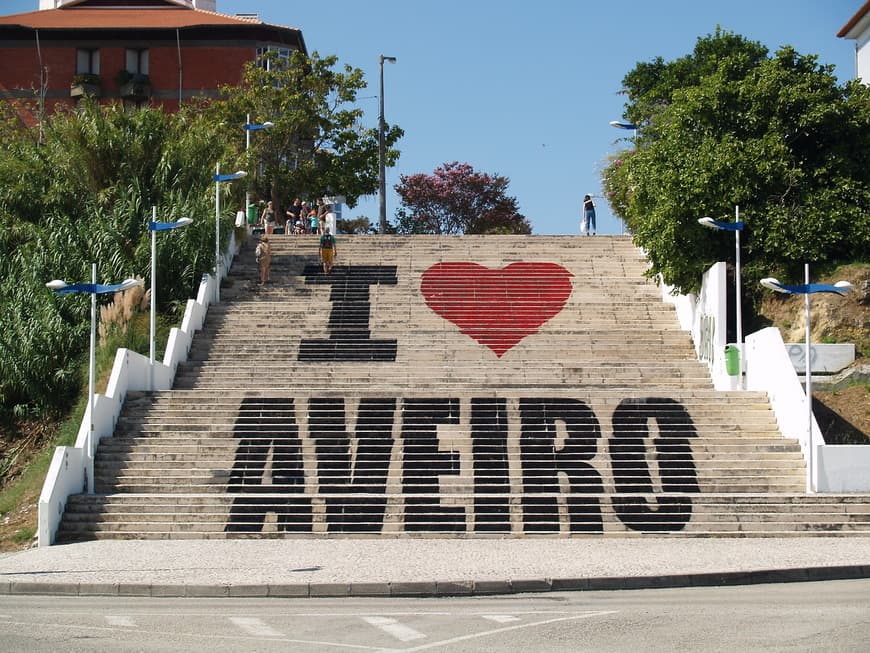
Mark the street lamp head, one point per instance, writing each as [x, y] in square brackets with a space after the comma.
[388, 59]
[621, 124]
[721, 225]
[839, 288]
[773, 284]
[231, 177]
[126, 284]
[256, 127]
[166, 226]
[63, 288]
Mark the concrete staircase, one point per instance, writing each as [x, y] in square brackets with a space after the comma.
[449, 386]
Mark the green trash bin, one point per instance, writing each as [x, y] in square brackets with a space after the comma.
[252, 214]
[732, 360]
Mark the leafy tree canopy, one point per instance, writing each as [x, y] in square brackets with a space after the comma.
[83, 195]
[455, 199]
[316, 146]
[360, 225]
[730, 125]
[79, 189]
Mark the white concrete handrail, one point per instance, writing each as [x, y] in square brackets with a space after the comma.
[769, 369]
[67, 472]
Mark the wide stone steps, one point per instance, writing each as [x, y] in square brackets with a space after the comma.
[182, 483]
[690, 398]
[478, 515]
[412, 393]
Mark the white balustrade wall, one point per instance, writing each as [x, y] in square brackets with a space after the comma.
[837, 468]
[67, 473]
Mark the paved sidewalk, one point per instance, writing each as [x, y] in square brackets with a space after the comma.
[422, 567]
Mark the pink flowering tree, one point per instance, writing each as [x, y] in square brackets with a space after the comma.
[455, 199]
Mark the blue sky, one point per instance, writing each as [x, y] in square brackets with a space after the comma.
[527, 89]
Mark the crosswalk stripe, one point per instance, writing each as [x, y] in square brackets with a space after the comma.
[501, 618]
[392, 627]
[120, 622]
[256, 627]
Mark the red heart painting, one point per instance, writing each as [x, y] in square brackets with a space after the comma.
[498, 308]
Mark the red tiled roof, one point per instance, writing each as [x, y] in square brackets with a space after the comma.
[140, 18]
[854, 20]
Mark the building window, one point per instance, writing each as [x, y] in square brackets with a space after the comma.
[266, 63]
[137, 62]
[87, 62]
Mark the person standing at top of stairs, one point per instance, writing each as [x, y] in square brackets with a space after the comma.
[268, 218]
[587, 223]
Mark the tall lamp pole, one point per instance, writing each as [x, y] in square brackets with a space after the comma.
[94, 289]
[251, 127]
[154, 227]
[218, 179]
[382, 172]
[840, 288]
[622, 124]
[736, 227]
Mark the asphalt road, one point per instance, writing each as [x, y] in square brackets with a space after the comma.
[818, 617]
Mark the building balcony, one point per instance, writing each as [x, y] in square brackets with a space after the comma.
[134, 87]
[136, 91]
[85, 84]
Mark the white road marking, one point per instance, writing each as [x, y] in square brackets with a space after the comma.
[120, 622]
[506, 629]
[392, 627]
[500, 618]
[257, 627]
[197, 637]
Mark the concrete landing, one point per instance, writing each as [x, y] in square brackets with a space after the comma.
[422, 567]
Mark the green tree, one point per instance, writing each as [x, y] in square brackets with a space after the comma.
[360, 225]
[732, 125]
[456, 199]
[317, 146]
[83, 195]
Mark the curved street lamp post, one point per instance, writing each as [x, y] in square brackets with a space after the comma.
[94, 289]
[252, 127]
[218, 178]
[736, 227]
[154, 227]
[382, 153]
[840, 288]
[622, 124]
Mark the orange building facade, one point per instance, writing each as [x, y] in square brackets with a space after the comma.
[158, 52]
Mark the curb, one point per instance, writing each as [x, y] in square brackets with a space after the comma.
[431, 589]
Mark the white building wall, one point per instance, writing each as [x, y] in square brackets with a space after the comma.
[860, 33]
[863, 57]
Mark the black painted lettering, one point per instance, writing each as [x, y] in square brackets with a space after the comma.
[631, 472]
[349, 334]
[489, 432]
[423, 462]
[542, 463]
[267, 430]
[366, 475]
